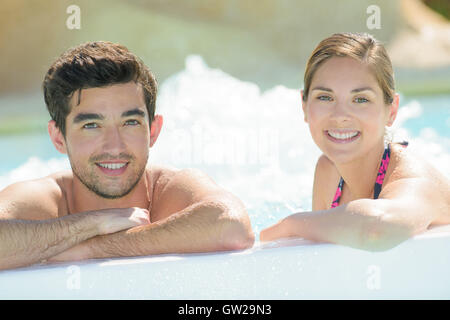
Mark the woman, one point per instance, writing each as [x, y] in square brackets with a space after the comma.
[368, 193]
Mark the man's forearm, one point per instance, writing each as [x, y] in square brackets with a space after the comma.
[24, 242]
[200, 228]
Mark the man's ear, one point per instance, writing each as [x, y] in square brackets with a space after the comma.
[393, 110]
[155, 129]
[57, 137]
[303, 106]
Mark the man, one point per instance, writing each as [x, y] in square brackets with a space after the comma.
[101, 99]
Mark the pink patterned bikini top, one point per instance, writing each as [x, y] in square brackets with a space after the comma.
[380, 177]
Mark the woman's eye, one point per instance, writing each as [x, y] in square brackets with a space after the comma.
[324, 98]
[361, 100]
[90, 126]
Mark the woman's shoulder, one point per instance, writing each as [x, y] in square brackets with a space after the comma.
[409, 162]
[415, 178]
[325, 167]
[326, 180]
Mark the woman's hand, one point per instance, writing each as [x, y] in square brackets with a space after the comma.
[282, 229]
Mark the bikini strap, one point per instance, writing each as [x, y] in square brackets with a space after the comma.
[380, 176]
[383, 168]
[382, 171]
[337, 196]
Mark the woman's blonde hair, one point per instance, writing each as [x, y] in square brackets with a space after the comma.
[360, 46]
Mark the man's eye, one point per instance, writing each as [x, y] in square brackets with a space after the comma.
[90, 126]
[361, 100]
[132, 122]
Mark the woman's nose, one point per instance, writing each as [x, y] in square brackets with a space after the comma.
[341, 112]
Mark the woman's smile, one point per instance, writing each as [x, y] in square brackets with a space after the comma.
[342, 136]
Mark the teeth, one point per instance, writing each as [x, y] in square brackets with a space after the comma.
[112, 166]
[343, 136]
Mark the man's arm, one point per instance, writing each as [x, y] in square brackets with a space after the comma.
[30, 233]
[199, 217]
[405, 208]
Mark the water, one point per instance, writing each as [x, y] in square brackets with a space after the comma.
[253, 143]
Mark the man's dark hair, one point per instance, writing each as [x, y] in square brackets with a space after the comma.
[93, 65]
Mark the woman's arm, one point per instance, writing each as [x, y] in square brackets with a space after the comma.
[405, 208]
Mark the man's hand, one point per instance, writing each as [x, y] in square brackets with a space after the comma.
[114, 220]
[111, 221]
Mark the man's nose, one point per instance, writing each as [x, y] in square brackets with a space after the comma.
[113, 141]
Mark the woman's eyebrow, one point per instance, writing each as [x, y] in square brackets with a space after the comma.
[362, 89]
[322, 89]
[353, 91]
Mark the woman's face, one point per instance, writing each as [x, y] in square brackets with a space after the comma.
[345, 110]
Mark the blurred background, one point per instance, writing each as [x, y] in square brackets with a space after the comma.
[266, 42]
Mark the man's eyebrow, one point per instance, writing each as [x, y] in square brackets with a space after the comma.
[134, 112]
[87, 116]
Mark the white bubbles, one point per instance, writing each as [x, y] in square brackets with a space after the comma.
[32, 169]
[411, 110]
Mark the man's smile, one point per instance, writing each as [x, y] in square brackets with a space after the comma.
[112, 168]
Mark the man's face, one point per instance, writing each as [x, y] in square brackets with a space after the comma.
[108, 138]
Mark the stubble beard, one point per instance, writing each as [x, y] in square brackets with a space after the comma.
[91, 180]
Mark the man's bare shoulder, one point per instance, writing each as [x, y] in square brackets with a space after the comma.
[175, 189]
[35, 199]
[163, 176]
[158, 171]
[167, 178]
